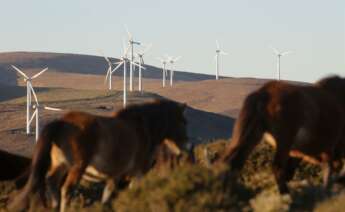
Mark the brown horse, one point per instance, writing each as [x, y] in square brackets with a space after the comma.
[102, 148]
[303, 123]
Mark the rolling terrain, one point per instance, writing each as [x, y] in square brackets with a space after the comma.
[76, 82]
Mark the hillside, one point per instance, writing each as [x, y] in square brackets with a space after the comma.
[73, 63]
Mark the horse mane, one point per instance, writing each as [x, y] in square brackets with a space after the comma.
[157, 106]
[159, 113]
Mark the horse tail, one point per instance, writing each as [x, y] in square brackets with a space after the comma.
[39, 166]
[248, 130]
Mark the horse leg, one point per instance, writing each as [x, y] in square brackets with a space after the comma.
[280, 165]
[108, 189]
[73, 176]
[135, 181]
[326, 174]
[54, 183]
[292, 164]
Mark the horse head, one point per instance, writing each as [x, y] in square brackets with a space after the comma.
[175, 129]
[334, 85]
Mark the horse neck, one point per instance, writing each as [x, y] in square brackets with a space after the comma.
[150, 120]
[157, 129]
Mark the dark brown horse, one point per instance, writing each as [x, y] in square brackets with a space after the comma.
[102, 148]
[302, 122]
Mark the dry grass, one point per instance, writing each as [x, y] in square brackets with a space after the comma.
[64, 94]
[197, 188]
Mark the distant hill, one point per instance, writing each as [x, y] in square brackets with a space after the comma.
[11, 91]
[74, 63]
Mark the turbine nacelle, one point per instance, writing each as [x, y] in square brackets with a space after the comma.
[218, 49]
[131, 42]
[172, 60]
[280, 54]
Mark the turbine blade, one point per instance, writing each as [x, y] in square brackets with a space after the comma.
[125, 51]
[52, 108]
[33, 116]
[217, 44]
[274, 50]
[136, 64]
[118, 66]
[223, 53]
[107, 59]
[121, 60]
[128, 33]
[20, 72]
[39, 73]
[285, 53]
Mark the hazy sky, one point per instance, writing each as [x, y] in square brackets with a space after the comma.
[313, 29]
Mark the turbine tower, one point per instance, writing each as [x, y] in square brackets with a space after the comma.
[123, 61]
[140, 56]
[172, 60]
[29, 91]
[109, 73]
[164, 63]
[217, 58]
[279, 55]
[131, 43]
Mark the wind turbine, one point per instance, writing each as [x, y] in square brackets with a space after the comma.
[131, 44]
[29, 91]
[172, 60]
[109, 72]
[140, 56]
[218, 53]
[279, 55]
[36, 108]
[123, 61]
[164, 63]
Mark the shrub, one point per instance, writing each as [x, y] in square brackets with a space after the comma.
[187, 188]
[334, 204]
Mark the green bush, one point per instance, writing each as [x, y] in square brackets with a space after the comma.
[186, 188]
